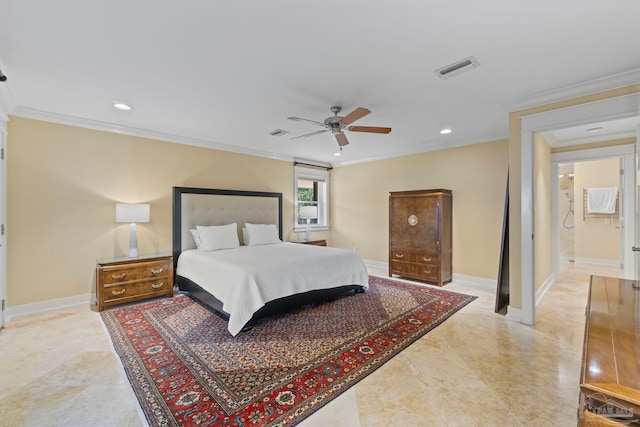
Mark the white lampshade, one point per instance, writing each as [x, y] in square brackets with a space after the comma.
[308, 212]
[132, 212]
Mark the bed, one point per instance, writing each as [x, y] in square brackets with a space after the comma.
[251, 281]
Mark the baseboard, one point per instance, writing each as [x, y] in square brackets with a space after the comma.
[475, 281]
[595, 261]
[514, 314]
[540, 293]
[24, 311]
[376, 264]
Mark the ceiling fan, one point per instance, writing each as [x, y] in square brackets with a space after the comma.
[336, 124]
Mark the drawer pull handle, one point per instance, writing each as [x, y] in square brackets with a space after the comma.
[399, 255]
[120, 292]
[118, 276]
[157, 270]
[157, 285]
[400, 267]
[426, 271]
[426, 259]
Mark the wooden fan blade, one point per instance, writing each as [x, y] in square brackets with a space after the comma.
[310, 134]
[342, 139]
[356, 114]
[298, 119]
[371, 129]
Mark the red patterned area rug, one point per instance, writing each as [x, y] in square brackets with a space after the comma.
[186, 369]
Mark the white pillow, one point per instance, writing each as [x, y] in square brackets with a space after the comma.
[216, 237]
[245, 236]
[261, 234]
[196, 238]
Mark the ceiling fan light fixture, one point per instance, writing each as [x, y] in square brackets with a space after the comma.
[337, 153]
[446, 131]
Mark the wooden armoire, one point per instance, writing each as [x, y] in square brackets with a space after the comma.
[420, 235]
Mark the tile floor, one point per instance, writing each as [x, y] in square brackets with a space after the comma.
[476, 369]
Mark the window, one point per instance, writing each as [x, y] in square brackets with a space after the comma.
[311, 189]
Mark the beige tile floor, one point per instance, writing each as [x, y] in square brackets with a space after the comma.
[476, 369]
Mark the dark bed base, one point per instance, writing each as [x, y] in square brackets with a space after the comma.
[277, 306]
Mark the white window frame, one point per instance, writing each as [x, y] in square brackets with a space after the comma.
[312, 174]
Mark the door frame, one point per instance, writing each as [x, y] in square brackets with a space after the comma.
[6, 106]
[608, 109]
[3, 215]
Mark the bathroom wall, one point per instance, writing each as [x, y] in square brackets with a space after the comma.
[566, 212]
[597, 240]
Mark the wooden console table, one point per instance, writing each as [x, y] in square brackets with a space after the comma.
[610, 377]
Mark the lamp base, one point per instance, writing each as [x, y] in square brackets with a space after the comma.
[133, 241]
[307, 236]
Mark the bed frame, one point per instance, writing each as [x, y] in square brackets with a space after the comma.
[203, 206]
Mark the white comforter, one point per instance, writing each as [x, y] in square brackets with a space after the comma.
[246, 278]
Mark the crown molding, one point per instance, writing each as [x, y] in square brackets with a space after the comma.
[421, 148]
[614, 81]
[31, 113]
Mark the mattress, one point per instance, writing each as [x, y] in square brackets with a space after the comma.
[244, 279]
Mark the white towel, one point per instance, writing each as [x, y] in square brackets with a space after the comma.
[602, 200]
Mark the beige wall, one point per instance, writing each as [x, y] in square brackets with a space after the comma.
[595, 238]
[543, 262]
[63, 183]
[515, 171]
[477, 176]
[62, 186]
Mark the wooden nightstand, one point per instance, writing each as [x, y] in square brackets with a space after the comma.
[312, 242]
[122, 280]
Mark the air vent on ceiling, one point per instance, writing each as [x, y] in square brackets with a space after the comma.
[456, 68]
[278, 132]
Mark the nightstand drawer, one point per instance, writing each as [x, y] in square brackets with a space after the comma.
[114, 293]
[128, 273]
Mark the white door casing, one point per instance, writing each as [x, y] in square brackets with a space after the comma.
[609, 109]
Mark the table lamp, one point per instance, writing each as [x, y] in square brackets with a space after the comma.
[132, 213]
[308, 213]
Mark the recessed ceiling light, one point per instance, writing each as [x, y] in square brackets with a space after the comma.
[337, 153]
[122, 106]
[596, 129]
[446, 131]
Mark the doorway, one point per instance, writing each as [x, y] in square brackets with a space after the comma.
[580, 236]
[585, 236]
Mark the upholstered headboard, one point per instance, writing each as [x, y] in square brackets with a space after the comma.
[204, 206]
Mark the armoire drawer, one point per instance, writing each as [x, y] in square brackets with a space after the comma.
[427, 272]
[414, 256]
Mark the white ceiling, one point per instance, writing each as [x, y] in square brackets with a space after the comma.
[226, 73]
[594, 132]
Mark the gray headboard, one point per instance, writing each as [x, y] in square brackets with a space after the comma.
[205, 206]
